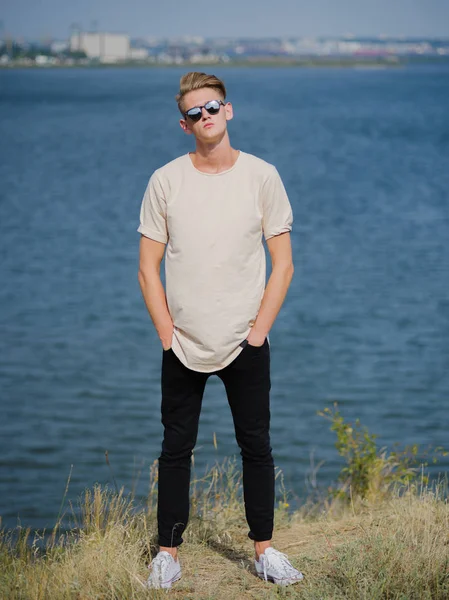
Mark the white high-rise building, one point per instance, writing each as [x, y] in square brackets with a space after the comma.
[108, 47]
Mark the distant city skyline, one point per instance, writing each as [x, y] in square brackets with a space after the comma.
[230, 18]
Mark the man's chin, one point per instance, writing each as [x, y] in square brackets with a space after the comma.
[211, 136]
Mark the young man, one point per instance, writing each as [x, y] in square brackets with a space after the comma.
[211, 208]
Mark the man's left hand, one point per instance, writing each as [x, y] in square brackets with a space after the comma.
[255, 338]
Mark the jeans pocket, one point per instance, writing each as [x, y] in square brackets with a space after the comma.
[246, 344]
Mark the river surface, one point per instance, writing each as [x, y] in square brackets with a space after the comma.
[364, 155]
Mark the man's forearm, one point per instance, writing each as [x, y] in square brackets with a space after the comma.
[272, 300]
[156, 302]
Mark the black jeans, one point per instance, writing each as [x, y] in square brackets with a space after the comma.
[247, 383]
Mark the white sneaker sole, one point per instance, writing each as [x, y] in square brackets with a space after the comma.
[283, 582]
[165, 584]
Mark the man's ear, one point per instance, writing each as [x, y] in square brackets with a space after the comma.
[184, 126]
[229, 111]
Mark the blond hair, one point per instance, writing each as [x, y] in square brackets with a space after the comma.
[195, 81]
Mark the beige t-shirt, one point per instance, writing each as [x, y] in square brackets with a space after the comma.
[215, 272]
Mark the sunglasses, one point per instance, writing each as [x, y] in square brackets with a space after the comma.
[212, 107]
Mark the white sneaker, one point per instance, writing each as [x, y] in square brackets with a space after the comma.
[275, 566]
[165, 570]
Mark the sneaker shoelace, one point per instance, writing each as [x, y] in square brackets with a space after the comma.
[281, 562]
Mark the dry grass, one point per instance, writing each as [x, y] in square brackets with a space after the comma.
[395, 549]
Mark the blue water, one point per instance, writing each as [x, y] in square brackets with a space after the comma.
[364, 155]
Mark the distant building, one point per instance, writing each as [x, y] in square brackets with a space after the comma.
[43, 60]
[57, 47]
[107, 47]
[138, 54]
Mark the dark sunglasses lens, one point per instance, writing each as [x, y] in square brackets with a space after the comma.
[212, 107]
[194, 114]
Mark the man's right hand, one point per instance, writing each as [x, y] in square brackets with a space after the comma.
[166, 340]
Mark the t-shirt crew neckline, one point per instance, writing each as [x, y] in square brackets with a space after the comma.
[214, 174]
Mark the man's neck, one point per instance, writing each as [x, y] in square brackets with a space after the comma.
[214, 159]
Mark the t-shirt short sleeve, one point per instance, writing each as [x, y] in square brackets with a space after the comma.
[153, 212]
[277, 216]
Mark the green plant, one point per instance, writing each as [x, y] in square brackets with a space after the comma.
[370, 471]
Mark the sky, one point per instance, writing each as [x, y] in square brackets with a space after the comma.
[37, 19]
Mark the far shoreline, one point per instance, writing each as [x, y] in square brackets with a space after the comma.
[369, 64]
